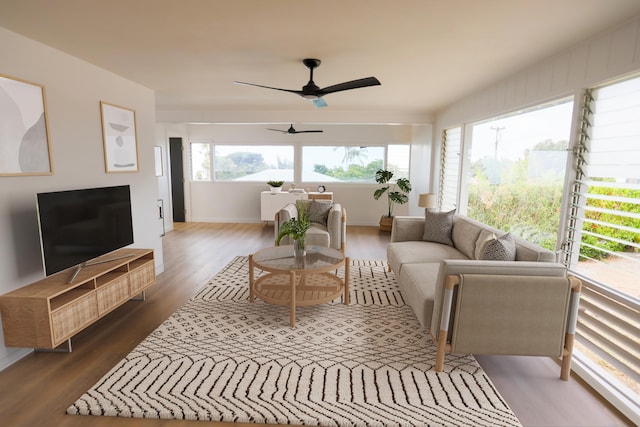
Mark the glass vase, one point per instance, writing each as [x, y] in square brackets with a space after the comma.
[299, 248]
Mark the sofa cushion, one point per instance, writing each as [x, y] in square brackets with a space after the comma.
[501, 248]
[411, 252]
[418, 286]
[438, 227]
[464, 234]
[528, 251]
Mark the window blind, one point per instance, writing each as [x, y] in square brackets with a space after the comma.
[450, 168]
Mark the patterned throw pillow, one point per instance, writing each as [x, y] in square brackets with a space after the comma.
[501, 249]
[319, 211]
[438, 226]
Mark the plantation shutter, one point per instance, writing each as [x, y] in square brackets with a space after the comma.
[603, 234]
[605, 209]
[450, 169]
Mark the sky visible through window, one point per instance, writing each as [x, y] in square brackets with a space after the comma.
[514, 134]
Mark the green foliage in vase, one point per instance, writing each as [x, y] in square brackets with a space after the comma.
[296, 228]
[275, 183]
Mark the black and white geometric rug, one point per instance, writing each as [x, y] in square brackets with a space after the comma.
[221, 358]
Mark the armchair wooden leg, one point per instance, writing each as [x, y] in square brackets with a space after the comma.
[442, 346]
[450, 283]
[565, 369]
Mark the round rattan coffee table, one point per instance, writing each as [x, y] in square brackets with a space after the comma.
[298, 281]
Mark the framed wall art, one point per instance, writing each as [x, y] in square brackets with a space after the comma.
[24, 133]
[119, 137]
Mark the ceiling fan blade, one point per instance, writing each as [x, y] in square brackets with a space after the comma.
[297, 92]
[292, 130]
[353, 84]
[319, 103]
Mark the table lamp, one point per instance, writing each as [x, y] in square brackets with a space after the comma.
[427, 201]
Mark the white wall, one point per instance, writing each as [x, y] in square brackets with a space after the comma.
[74, 89]
[605, 56]
[240, 202]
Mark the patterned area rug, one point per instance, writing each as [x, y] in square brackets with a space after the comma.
[221, 358]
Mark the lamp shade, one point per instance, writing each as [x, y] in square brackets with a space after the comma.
[427, 200]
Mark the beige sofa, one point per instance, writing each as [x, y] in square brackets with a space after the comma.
[525, 306]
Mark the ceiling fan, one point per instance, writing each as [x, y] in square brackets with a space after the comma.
[291, 130]
[313, 92]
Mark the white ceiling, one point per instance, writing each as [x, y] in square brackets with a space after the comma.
[426, 53]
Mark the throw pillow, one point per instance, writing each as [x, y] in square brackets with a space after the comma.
[319, 211]
[501, 249]
[438, 226]
[482, 238]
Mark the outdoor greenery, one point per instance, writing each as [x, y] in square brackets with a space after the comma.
[528, 210]
[503, 195]
[608, 238]
[522, 196]
[353, 172]
[240, 163]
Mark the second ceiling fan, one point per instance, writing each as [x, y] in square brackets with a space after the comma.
[291, 130]
[313, 92]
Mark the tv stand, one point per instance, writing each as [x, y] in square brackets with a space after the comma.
[47, 313]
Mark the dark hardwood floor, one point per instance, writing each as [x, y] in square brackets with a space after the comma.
[37, 390]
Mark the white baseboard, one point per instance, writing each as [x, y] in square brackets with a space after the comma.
[609, 388]
[12, 356]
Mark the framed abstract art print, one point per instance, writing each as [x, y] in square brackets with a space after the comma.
[119, 137]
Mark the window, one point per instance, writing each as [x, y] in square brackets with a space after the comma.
[610, 180]
[344, 163]
[241, 162]
[200, 161]
[450, 168]
[603, 236]
[517, 172]
[253, 163]
[261, 163]
[398, 160]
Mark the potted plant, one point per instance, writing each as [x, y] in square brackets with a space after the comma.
[296, 228]
[396, 193]
[276, 186]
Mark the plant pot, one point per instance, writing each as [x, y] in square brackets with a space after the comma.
[386, 223]
[275, 190]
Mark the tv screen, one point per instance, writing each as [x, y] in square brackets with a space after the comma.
[79, 225]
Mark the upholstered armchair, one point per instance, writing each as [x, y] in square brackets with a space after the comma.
[329, 223]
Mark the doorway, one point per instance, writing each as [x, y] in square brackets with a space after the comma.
[177, 179]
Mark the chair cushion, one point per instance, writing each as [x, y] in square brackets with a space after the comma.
[438, 226]
[317, 235]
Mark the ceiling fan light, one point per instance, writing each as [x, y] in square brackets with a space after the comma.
[310, 96]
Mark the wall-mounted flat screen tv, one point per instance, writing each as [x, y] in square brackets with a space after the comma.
[79, 225]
